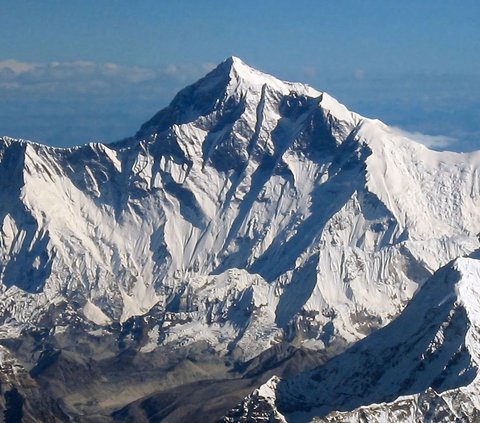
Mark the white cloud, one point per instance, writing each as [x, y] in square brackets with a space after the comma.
[81, 76]
[432, 141]
[183, 72]
[15, 66]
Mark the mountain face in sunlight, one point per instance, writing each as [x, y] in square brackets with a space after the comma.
[250, 213]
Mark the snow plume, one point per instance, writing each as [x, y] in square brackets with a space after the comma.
[431, 141]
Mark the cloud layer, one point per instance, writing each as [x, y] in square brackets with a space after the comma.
[68, 103]
[81, 76]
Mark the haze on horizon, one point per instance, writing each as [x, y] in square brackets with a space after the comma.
[80, 71]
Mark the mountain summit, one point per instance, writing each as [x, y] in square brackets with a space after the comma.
[273, 181]
[231, 82]
[249, 213]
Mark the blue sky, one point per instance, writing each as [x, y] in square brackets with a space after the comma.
[75, 71]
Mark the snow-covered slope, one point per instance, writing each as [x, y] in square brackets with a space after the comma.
[248, 211]
[421, 367]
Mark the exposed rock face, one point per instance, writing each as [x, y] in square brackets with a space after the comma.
[21, 398]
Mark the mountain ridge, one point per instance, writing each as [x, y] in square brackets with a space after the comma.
[189, 159]
[249, 213]
[428, 355]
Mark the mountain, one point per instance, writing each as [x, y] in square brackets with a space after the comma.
[21, 398]
[249, 213]
[421, 367]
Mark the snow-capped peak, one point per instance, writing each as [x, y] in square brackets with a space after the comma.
[231, 82]
[249, 212]
[241, 171]
[247, 77]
